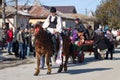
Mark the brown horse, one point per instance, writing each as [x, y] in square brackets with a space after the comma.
[44, 46]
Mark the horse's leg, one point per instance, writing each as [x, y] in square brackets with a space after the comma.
[71, 52]
[66, 62]
[47, 63]
[38, 64]
[61, 66]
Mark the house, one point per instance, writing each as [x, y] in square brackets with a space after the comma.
[22, 18]
[40, 12]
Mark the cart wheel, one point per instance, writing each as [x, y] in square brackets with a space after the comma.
[81, 57]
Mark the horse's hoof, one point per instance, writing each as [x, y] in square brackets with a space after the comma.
[49, 73]
[65, 70]
[35, 74]
[59, 71]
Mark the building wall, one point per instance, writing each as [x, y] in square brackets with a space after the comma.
[22, 20]
[34, 21]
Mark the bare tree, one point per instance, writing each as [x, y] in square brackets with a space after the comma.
[108, 13]
[0, 2]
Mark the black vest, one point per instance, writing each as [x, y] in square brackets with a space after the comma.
[52, 23]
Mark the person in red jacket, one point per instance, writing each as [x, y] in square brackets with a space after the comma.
[9, 39]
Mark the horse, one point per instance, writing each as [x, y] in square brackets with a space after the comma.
[44, 46]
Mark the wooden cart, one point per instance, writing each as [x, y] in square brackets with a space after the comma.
[80, 49]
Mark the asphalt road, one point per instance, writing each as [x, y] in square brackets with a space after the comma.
[90, 69]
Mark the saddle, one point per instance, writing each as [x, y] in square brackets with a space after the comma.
[55, 41]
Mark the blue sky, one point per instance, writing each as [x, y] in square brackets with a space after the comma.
[81, 5]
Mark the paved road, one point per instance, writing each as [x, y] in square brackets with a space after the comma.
[90, 69]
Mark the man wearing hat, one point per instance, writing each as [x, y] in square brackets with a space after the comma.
[79, 26]
[53, 24]
[78, 31]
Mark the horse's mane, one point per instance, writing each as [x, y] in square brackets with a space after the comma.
[42, 36]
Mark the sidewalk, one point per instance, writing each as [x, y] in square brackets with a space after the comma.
[7, 60]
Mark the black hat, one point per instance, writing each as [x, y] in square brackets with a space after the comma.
[53, 10]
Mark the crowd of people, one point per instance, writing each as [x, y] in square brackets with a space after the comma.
[20, 42]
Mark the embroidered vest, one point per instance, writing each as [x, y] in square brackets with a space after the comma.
[52, 23]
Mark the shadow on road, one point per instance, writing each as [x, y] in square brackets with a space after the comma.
[80, 71]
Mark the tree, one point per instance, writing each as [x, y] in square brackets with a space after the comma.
[0, 2]
[108, 13]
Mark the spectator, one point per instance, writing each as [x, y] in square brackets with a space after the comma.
[9, 40]
[27, 41]
[101, 43]
[15, 43]
[4, 37]
[21, 43]
[109, 36]
[90, 33]
[32, 41]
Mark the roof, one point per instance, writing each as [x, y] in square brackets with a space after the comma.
[74, 16]
[37, 2]
[9, 10]
[43, 11]
[66, 9]
[63, 9]
[39, 12]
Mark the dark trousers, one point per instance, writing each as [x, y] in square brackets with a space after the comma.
[53, 41]
[15, 48]
[3, 43]
[21, 49]
[110, 51]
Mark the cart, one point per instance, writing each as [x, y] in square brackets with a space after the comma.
[81, 48]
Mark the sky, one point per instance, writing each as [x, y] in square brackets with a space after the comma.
[82, 6]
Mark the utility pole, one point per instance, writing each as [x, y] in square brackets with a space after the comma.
[86, 11]
[3, 12]
[16, 15]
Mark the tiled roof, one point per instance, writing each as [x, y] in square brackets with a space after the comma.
[9, 10]
[38, 11]
[43, 11]
[63, 9]
[66, 9]
[74, 16]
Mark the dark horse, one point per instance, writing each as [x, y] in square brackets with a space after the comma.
[44, 46]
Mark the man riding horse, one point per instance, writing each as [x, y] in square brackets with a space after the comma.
[53, 24]
[45, 42]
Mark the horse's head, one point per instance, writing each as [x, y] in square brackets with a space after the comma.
[38, 28]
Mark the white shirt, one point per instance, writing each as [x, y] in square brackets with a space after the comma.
[58, 26]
